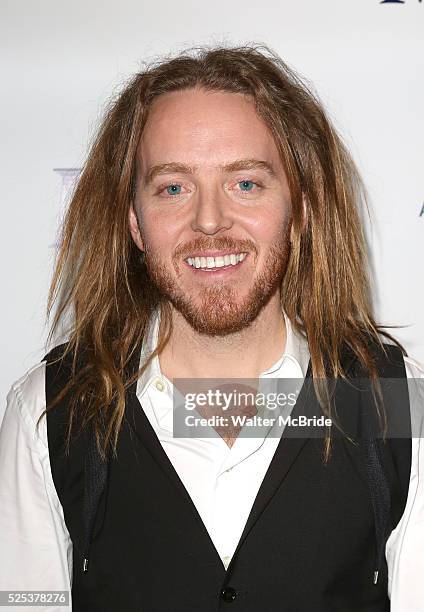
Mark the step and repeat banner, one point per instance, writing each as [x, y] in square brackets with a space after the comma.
[62, 63]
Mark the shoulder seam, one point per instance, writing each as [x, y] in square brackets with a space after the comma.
[25, 417]
[410, 361]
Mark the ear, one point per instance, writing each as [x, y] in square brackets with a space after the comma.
[304, 217]
[134, 229]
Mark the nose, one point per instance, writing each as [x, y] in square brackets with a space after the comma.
[211, 213]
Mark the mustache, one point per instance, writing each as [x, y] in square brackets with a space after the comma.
[215, 244]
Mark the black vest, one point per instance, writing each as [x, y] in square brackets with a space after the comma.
[309, 544]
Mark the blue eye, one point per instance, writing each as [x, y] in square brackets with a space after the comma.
[246, 185]
[174, 189]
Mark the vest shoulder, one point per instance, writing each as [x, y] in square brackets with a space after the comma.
[389, 353]
[60, 369]
[57, 353]
[388, 358]
[60, 359]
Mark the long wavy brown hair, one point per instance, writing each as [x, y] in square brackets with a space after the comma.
[99, 275]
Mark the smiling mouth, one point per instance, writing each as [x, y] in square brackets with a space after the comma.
[219, 262]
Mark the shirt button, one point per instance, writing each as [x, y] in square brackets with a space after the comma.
[228, 594]
[160, 386]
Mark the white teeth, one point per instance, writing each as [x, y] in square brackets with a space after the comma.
[216, 262]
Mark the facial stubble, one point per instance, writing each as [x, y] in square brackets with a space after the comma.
[216, 310]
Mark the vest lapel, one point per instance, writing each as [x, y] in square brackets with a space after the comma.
[148, 438]
[146, 435]
[288, 449]
[286, 453]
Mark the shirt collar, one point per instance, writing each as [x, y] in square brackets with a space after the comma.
[295, 357]
[153, 371]
[292, 364]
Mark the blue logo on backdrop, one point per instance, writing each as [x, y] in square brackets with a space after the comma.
[397, 1]
[422, 211]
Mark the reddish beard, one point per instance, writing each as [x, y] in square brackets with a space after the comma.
[218, 312]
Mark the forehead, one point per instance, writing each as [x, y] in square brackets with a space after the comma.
[204, 127]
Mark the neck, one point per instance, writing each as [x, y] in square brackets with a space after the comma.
[189, 354]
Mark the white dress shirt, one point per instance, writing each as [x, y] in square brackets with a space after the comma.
[35, 546]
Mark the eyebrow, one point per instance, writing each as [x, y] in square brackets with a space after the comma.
[238, 164]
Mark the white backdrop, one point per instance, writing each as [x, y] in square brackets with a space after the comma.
[61, 61]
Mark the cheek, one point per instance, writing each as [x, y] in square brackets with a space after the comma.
[269, 228]
[160, 234]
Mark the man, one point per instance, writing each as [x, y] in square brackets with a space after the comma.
[214, 234]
